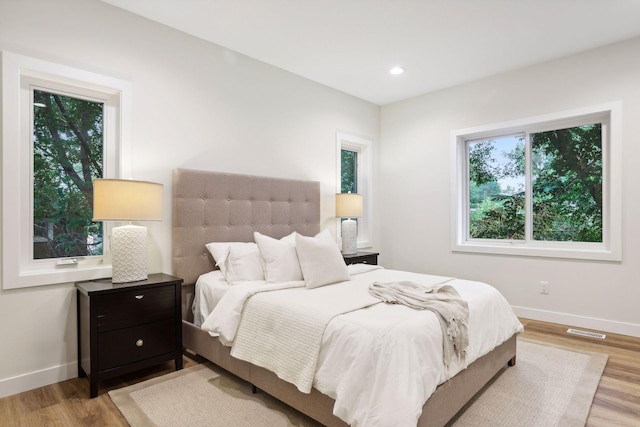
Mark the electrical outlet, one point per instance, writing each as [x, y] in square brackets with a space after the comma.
[544, 288]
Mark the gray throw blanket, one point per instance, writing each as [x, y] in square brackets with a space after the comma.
[451, 310]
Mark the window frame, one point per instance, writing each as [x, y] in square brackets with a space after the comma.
[610, 249]
[363, 147]
[20, 75]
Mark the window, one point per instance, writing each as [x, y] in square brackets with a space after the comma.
[62, 128]
[348, 171]
[67, 155]
[354, 169]
[547, 186]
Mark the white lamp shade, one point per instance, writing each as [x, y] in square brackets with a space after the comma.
[348, 205]
[126, 200]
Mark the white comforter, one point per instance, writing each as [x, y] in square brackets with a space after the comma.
[382, 363]
[284, 335]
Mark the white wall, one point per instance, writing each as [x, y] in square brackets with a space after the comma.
[415, 170]
[195, 105]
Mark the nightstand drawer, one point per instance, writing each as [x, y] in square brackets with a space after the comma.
[361, 258]
[135, 307]
[129, 345]
[369, 259]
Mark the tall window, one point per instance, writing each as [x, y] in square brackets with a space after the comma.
[67, 155]
[62, 127]
[349, 171]
[540, 187]
[354, 175]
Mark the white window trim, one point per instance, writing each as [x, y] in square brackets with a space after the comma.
[19, 75]
[611, 247]
[365, 186]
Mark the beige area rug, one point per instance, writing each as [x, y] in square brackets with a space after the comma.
[549, 386]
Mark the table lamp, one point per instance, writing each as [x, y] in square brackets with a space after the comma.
[127, 200]
[349, 205]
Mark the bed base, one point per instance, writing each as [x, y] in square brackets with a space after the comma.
[441, 407]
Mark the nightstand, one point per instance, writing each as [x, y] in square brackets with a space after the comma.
[361, 258]
[123, 327]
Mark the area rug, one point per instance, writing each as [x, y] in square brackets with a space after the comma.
[549, 386]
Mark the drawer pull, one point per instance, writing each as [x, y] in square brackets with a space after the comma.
[139, 296]
[139, 343]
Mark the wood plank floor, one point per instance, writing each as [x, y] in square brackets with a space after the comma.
[67, 404]
[617, 400]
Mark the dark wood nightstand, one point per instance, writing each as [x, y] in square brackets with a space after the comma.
[124, 327]
[361, 258]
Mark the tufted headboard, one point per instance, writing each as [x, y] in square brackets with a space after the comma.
[221, 207]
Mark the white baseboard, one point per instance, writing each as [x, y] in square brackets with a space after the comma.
[603, 325]
[31, 380]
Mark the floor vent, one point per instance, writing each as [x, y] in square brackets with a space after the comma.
[586, 334]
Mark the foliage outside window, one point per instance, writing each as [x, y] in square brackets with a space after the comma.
[349, 171]
[67, 155]
[567, 178]
[566, 186]
[496, 188]
[540, 188]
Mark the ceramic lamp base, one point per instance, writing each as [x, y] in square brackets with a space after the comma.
[129, 252]
[349, 236]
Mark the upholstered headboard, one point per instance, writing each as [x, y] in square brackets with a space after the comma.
[221, 207]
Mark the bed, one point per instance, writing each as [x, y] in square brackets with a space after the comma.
[217, 207]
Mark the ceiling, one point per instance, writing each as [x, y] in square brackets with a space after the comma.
[350, 45]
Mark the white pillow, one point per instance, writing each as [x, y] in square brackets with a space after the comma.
[320, 260]
[243, 263]
[242, 257]
[279, 258]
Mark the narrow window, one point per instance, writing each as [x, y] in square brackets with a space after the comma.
[354, 159]
[67, 154]
[349, 171]
[62, 127]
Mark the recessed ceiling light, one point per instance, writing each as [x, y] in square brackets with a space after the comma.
[396, 70]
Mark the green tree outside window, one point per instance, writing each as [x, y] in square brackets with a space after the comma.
[67, 155]
[349, 171]
[566, 186]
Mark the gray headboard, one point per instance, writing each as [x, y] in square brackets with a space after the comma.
[221, 207]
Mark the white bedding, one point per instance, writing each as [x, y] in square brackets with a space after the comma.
[209, 289]
[371, 359]
[294, 320]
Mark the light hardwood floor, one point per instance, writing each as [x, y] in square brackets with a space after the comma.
[617, 400]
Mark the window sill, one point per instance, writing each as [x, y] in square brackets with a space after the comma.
[569, 251]
[15, 279]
